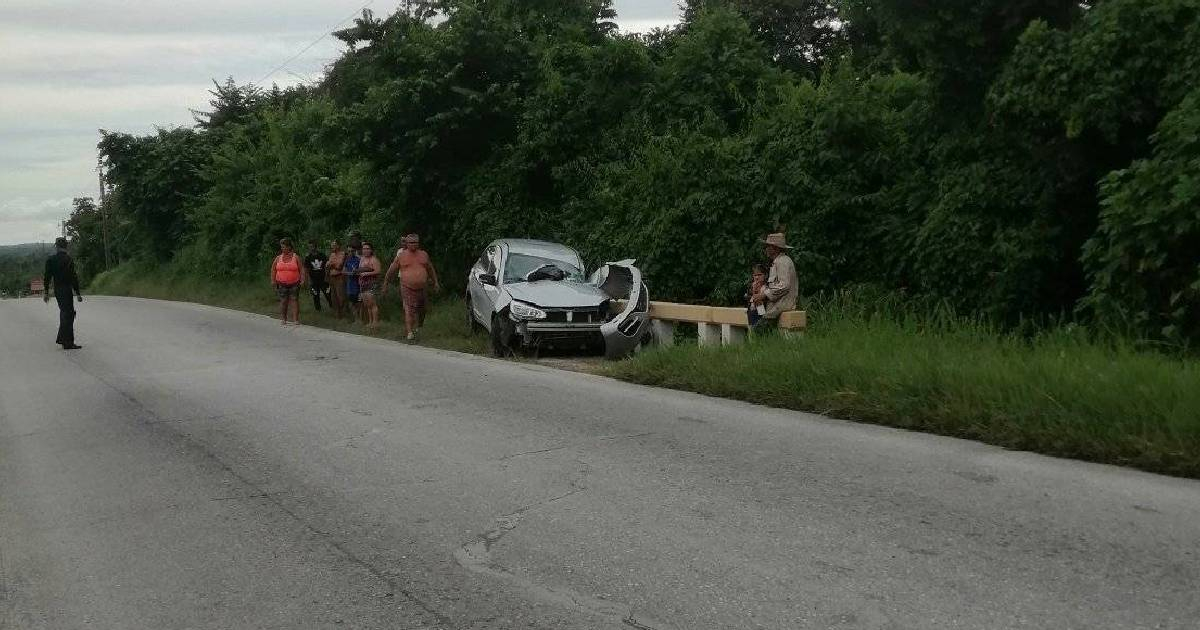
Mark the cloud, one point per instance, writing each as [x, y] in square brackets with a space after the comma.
[24, 209]
[187, 17]
[72, 67]
[629, 11]
[24, 220]
[260, 17]
[125, 61]
[647, 25]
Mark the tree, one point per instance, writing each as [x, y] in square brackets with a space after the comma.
[231, 103]
[155, 179]
[1144, 261]
[85, 229]
[801, 35]
[961, 46]
[949, 150]
[714, 73]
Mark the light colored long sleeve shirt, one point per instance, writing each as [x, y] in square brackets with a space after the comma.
[782, 287]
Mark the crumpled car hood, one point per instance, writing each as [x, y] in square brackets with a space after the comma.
[557, 294]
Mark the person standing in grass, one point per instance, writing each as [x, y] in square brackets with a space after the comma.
[779, 294]
[369, 269]
[315, 263]
[333, 271]
[416, 273]
[287, 274]
[350, 281]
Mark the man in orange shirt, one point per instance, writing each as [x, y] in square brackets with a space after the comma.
[416, 272]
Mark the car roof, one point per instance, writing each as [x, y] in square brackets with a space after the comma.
[542, 249]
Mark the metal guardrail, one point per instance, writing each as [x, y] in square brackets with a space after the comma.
[715, 325]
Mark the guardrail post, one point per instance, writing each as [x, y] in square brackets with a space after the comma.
[664, 332]
[732, 335]
[710, 334]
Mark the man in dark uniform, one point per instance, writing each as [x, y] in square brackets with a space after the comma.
[60, 270]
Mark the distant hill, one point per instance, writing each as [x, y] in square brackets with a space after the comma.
[21, 263]
[26, 248]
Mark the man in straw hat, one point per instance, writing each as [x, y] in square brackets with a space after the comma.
[779, 294]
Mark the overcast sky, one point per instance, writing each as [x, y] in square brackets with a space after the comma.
[71, 67]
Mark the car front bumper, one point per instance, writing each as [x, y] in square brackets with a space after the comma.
[559, 334]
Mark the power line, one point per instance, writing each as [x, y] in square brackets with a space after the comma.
[303, 79]
[328, 32]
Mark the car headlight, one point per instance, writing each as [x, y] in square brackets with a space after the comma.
[521, 311]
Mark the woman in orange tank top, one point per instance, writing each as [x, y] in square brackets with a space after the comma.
[287, 274]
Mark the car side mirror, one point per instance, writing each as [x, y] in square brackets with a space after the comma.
[488, 279]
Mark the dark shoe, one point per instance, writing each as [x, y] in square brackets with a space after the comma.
[72, 347]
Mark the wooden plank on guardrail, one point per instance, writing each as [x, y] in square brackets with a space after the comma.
[669, 311]
[701, 314]
[732, 316]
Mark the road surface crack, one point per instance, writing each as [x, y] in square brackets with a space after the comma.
[625, 437]
[476, 556]
[246, 496]
[151, 418]
[541, 450]
[605, 438]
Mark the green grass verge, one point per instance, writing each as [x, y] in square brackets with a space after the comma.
[445, 327]
[1059, 394]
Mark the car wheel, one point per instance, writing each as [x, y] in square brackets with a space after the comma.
[498, 347]
[472, 323]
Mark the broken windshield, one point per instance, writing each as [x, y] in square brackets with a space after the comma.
[520, 266]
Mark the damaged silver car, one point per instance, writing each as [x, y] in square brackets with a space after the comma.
[533, 294]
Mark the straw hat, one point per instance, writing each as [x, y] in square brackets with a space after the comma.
[776, 240]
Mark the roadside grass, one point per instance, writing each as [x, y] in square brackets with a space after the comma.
[445, 326]
[1059, 393]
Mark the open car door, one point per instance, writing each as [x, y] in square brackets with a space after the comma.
[623, 331]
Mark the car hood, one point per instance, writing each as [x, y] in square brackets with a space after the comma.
[557, 294]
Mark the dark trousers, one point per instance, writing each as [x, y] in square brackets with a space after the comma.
[317, 290]
[766, 325]
[752, 315]
[66, 319]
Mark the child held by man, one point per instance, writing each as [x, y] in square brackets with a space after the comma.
[758, 279]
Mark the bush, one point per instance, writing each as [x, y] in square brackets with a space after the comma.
[1144, 261]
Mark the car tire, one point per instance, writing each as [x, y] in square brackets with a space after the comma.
[472, 324]
[498, 347]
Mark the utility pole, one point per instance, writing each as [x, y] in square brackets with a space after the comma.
[103, 214]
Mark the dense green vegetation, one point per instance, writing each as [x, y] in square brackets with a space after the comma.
[1024, 161]
[21, 263]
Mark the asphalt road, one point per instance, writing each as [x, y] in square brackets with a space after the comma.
[201, 468]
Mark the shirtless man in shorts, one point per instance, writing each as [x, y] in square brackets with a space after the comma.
[416, 273]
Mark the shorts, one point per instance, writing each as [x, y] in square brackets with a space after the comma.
[414, 300]
[285, 291]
